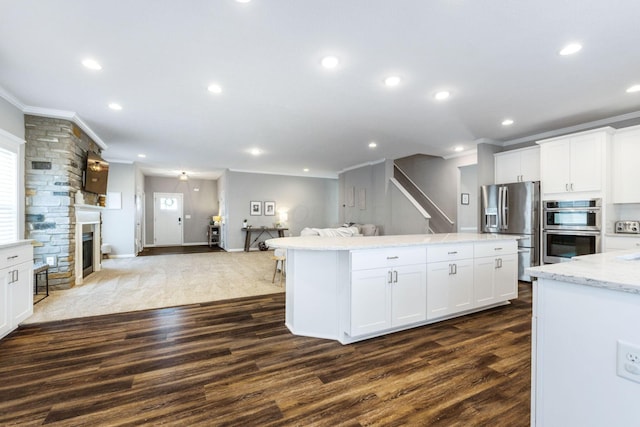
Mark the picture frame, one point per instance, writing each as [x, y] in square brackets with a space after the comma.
[464, 198]
[255, 208]
[269, 208]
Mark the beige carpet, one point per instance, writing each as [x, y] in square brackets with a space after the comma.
[130, 284]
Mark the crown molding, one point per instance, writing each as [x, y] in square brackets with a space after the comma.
[65, 115]
[300, 175]
[362, 165]
[4, 94]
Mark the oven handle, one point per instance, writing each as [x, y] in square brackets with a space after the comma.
[589, 210]
[572, 233]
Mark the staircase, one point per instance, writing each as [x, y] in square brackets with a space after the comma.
[439, 221]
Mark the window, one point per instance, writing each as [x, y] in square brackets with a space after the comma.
[8, 191]
[168, 203]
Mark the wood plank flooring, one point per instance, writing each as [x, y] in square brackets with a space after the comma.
[234, 363]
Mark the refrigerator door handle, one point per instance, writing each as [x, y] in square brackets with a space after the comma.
[505, 208]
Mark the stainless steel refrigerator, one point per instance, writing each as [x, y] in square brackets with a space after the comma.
[514, 209]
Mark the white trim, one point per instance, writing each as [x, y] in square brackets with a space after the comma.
[65, 115]
[361, 165]
[409, 197]
[11, 137]
[607, 129]
[11, 99]
[121, 256]
[444, 215]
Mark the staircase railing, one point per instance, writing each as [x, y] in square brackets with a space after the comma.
[439, 222]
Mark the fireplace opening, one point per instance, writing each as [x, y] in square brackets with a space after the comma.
[87, 254]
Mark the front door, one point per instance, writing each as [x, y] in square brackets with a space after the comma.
[167, 219]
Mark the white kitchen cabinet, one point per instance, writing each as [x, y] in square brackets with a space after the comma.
[449, 280]
[574, 163]
[619, 243]
[16, 286]
[625, 170]
[384, 293]
[517, 165]
[496, 278]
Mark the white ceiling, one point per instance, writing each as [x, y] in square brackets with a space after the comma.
[499, 59]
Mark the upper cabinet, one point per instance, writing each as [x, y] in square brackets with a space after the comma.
[626, 173]
[517, 165]
[574, 163]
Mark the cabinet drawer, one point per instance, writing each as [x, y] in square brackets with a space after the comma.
[618, 243]
[388, 257]
[495, 248]
[16, 255]
[438, 253]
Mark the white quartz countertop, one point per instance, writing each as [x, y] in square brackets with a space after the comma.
[617, 270]
[372, 242]
[15, 243]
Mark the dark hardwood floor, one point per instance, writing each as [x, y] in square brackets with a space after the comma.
[235, 363]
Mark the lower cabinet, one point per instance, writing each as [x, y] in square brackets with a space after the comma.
[449, 287]
[384, 298]
[496, 279]
[16, 286]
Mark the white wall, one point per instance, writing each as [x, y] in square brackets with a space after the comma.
[310, 202]
[118, 225]
[200, 205]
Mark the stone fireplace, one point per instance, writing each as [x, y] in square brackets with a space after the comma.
[57, 210]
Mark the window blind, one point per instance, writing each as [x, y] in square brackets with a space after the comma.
[8, 196]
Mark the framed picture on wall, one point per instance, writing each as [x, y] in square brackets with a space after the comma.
[270, 208]
[255, 208]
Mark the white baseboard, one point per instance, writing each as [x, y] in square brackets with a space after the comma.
[123, 256]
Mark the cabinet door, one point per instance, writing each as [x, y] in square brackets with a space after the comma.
[484, 288]
[408, 294]
[5, 325]
[586, 162]
[626, 173]
[554, 166]
[449, 287]
[21, 294]
[506, 278]
[507, 167]
[370, 301]
[530, 164]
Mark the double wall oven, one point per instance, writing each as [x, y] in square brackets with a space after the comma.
[571, 228]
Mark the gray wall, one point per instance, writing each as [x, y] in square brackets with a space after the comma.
[404, 218]
[200, 205]
[11, 119]
[438, 178]
[310, 202]
[373, 180]
[118, 225]
[468, 215]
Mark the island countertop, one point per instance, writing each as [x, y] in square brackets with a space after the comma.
[372, 242]
[618, 271]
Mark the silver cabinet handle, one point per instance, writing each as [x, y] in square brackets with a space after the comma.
[498, 263]
[572, 186]
[395, 279]
[452, 253]
[393, 257]
[12, 257]
[566, 187]
[497, 249]
[390, 277]
[453, 269]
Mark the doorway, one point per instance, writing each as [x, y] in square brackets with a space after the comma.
[167, 219]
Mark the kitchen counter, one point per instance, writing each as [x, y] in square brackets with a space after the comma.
[372, 242]
[608, 270]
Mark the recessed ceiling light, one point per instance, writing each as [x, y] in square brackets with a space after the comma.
[243, 1]
[306, 169]
[330, 62]
[142, 156]
[458, 148]
[115, 106]
[372, 144]
[570, 49]
[92, 64]
[634, 88]
[215, 88]
[255, 151]
[392, 81]
[442, 95]
[507, 122]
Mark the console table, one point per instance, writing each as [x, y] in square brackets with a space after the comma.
[259, 231]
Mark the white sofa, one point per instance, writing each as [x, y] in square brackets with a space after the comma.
[347, 230]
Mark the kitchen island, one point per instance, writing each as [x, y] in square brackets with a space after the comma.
[354, 288]
[584, 313]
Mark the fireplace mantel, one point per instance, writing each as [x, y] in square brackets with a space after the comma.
[87, 215]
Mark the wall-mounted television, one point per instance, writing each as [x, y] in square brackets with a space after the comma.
[95, 176]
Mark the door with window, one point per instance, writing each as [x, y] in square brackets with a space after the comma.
[167, 219]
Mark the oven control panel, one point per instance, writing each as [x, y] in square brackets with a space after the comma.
[629, 227]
